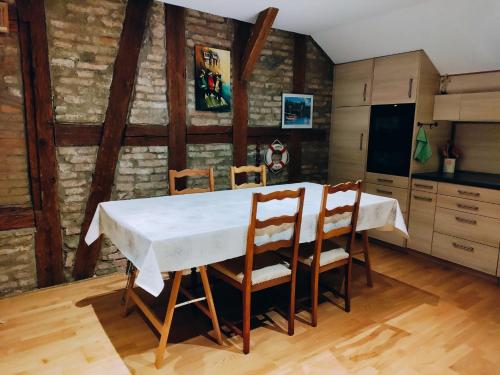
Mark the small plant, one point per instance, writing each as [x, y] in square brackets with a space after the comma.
[451, 151]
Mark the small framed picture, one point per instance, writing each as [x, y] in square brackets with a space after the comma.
[296, 111]
[4, 18]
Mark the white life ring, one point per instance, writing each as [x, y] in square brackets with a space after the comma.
[276, 164]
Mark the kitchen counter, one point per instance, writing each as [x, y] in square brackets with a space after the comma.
[484, 180]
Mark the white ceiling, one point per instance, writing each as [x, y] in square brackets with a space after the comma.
[460, 36]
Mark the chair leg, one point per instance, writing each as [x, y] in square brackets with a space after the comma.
[130, 285]
[247, 296]
[168, 319]
[368, 267]
[291, 312]
[314, 295]
[210, 303]
[347, 283]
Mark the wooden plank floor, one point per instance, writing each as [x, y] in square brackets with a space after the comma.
[420, 318]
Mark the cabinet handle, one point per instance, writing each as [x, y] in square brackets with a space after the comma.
[384, 191]
[385, 180]
[361, 141]
[410, 87]
[465, 221]
[466, 207]
[470, 193]
[470, 249]
[364, 92]
[420, 198]
[423, 186]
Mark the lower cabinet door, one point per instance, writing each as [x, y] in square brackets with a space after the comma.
[467, 253]
[421, 221]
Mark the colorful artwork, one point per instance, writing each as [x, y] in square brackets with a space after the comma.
[213, 79]
[296, 111]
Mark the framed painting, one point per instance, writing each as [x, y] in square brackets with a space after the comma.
[212, 79]
[296, 111]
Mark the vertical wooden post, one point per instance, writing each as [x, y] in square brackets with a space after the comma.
[176, 86]
[240, 99]
[299, 83]
[41, 145]
[122, 85]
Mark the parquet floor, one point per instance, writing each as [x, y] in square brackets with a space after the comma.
[420, 318]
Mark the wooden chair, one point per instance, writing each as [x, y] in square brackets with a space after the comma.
[261, 267]
[318, 260]
[173, 175]
[248, 169]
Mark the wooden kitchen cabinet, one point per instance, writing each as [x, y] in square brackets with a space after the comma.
[447, 107]
[421, 221]
[353, 83]
[480, 107]
[395, 78]
[348, 144]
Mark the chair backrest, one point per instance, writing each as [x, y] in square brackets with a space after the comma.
[173, 175]
[347, 215]
[292, 222]
[248, 169]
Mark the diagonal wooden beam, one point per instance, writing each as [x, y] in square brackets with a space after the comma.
[122, 84]
[41, 146]
[258, 37]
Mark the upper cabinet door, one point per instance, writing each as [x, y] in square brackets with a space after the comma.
[353, 84]
[395, 78]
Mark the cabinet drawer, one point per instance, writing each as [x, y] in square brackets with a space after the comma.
[387, 179]
[421, 221]
[476, 228]
[401, 195]
[467, 253]
[470, 192]
[424, 185]
[470, 206]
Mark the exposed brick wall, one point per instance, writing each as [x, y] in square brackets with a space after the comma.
[211, 31]
[17, 261]
[219, 156]
[83, 39]
[149, 104]
[14, 185]
[272, 75]
[314, 166]
[319, 81]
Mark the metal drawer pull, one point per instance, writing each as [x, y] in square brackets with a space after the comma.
[471, 193]
[470, 249]
[466, 221]
[364, 92]
[384, 191]
[361, 141]
[410, 87]
[385, 180]
[424, 186]
[420, 198]
[466, 207]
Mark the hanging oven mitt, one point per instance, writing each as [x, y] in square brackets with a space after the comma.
[423, 151]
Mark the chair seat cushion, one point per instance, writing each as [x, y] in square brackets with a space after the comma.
[326, 256]
[266, 267]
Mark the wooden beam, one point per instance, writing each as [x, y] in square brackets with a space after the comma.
[41, 145]
[240, 99]
[90, 135]
[299, 86]
[176, 85]
[16, 218]
[122, 84]
[260, 31]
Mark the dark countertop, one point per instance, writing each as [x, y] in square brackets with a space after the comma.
[485, 180]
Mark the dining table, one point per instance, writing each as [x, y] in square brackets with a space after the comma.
[181, 232]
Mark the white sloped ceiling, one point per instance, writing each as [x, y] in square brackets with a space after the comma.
[460, 36]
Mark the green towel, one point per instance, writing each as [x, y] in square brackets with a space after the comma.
[423, 151]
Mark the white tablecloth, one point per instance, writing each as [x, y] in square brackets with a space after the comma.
[173, 233]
